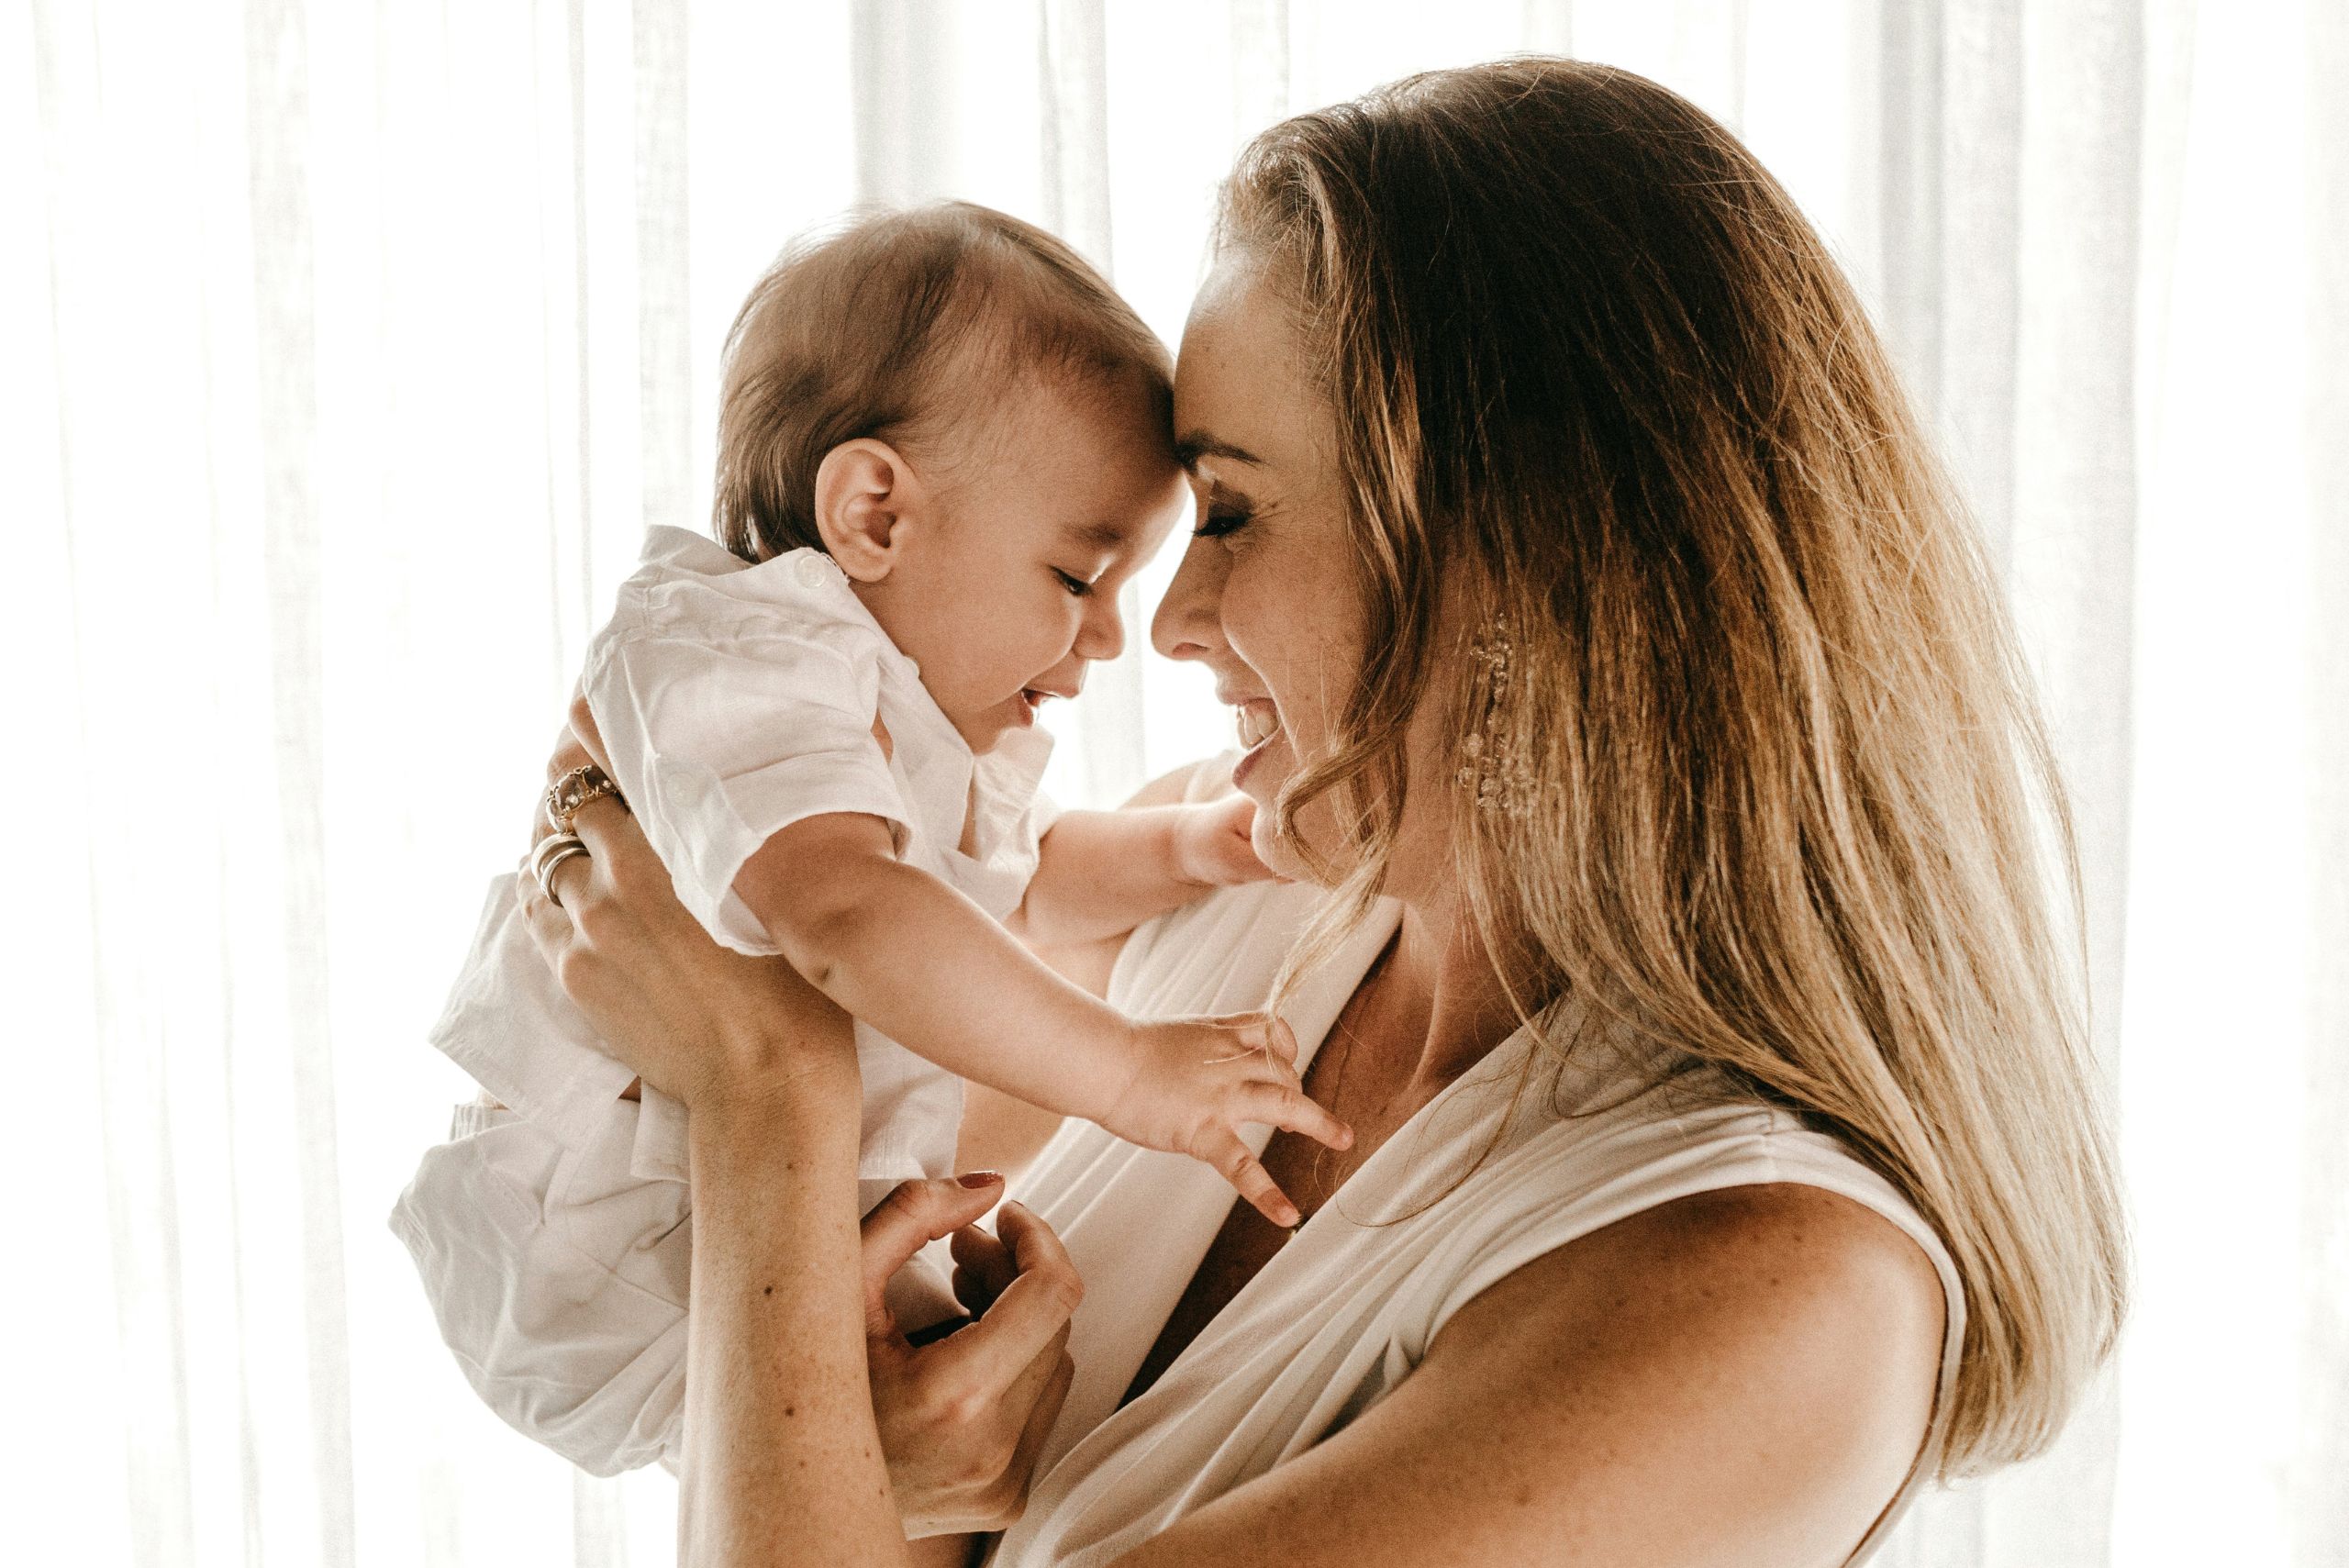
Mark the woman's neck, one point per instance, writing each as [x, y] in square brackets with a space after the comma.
[1440, 1006]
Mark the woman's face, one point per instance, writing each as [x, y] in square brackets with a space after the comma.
[1265, 596]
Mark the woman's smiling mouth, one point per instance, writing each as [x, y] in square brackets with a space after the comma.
[1260, 725]
[1259, 721]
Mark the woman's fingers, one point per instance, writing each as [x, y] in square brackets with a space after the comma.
[570, 880]
[1036, 1249]
[983, 1268]
[568, 753]
[911, 1218]
[1058, 1374]
[581, 737]
[1031, 1310]
[626, 869]
[548, 925]
[962, 1418]
[603, 824]
[1284, 1107]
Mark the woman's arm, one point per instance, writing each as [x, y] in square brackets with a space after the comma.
[785, 1461]
[1741, 1377]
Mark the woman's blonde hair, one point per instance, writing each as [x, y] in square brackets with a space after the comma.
[1748, 758]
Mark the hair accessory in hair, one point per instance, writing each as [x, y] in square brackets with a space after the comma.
[1497, 768]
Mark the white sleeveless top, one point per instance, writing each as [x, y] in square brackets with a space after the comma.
[1345, 1311]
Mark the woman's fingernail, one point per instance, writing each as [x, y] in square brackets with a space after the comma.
[980, 1178]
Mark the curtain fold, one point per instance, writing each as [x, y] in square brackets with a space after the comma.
[347, 350]
[2320, 1479]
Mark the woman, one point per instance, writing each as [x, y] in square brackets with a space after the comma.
[1629, 697]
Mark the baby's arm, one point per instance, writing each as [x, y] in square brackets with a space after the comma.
[1101, 873]
[927, 967]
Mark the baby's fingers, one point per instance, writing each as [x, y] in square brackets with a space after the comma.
[1261, 1031]
[1285, 1107]
[1256, 1183]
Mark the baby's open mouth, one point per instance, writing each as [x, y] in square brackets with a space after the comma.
[1259, 722]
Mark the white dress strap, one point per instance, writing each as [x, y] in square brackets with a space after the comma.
[1478, 1182]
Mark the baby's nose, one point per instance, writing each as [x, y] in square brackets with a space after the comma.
[1103, 635]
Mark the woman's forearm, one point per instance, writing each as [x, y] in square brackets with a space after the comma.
[782, 1462]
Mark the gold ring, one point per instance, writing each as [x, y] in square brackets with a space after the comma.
[575, 789]
[552, 853]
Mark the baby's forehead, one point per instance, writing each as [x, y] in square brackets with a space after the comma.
[1027, 418]
[1016, 351]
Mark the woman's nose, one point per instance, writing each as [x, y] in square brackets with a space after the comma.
[1189, 623]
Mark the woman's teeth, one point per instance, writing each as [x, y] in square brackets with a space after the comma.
[1259, 722]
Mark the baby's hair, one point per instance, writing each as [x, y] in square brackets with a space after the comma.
[883, 329]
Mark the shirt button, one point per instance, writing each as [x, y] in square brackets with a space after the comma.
[811, 569]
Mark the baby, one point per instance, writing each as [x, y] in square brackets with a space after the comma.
[943, 447]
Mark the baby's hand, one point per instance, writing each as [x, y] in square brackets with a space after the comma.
[1195, 1081]
[1213, 847]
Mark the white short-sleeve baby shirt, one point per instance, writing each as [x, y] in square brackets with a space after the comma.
[733, 699]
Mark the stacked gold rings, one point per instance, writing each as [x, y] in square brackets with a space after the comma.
[564, 797]
[575, 789]
[553, 852]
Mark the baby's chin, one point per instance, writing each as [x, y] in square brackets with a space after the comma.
[983, 730]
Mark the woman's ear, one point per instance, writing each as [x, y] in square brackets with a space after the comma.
[864, 493]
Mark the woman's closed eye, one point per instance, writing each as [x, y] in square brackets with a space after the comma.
[1219, 518]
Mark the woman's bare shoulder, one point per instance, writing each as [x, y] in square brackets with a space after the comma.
[1745, 1374]
[1781, 1340]
[1766, 1258]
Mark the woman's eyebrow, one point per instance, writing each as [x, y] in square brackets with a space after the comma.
[1189, 448]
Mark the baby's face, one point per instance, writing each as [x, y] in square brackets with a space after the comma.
[1004, 601]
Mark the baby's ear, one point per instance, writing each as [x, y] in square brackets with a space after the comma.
[864, 489]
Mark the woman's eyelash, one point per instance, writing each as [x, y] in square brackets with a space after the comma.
[1219, 521]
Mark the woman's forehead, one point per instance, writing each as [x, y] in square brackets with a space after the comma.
[1243, 392]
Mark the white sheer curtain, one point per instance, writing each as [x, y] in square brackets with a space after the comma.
[345, 349]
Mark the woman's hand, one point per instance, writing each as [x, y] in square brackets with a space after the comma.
[962, 1417]
[695, 1018]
